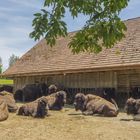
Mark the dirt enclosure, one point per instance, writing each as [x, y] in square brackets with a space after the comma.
[69, 125]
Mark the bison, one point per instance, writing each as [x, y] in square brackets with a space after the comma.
[31, 92]
[52, 89]
[36, 109]
[18, 95]
[132, 106]
[3, 110]
[57, 100]
[9, 100]
[6, 88]
[91, 104]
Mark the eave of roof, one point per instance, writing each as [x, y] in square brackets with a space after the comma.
[64, 72]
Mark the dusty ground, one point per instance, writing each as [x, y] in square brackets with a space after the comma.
[69, 125]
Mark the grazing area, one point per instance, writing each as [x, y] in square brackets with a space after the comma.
[68, 124]
[6, 82]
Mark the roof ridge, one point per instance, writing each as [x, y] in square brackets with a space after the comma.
[131, 18]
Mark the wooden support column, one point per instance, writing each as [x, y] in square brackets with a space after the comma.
[128, 85]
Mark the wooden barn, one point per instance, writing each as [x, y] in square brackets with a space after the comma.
[117, 68]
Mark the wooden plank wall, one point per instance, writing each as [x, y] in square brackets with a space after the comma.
[127, 79]
[80, 80]
[87, 80]
[121, 80]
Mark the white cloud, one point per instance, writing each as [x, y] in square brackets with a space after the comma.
[7, 9]
[17, 46]
[6, 53]
[15, 26]
[14, 40]
[14, 18]
[28, 3]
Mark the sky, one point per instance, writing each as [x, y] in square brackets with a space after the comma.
[16, 23]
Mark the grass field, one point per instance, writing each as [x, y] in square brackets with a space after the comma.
[69, 125]
[6, 82]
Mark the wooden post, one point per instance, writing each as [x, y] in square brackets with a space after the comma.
[23, 98]
[128, 84]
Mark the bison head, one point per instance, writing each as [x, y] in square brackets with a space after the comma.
[130, 106]
[60, 98]
[79, 100]
[42, 109]
[52, 89]
[18, 95]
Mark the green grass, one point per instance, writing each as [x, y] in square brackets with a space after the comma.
[6, 82]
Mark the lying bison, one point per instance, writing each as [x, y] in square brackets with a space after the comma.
[132, 107]
[56, 101]
[9, 100]
[3, 110]
[38, 108]
[91, 104]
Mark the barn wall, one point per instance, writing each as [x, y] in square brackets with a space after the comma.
[80, 80]
[85, 80]
[20, 82]
[121, 80]
[127, 79]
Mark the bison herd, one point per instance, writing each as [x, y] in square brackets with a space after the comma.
[42, 98]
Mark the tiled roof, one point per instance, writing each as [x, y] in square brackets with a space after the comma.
[44, 59]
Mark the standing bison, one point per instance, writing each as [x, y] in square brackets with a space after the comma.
[30, 92]
[18, 95]
[38, 108]
[91, 104]
[6, 88]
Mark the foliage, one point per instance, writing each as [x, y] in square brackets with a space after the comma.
[103, 28]
[0, 65]
[0, 60]
[12, 59]
[0, 69]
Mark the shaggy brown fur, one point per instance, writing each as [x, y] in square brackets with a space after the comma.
[52, 89]
[3, 110]
[9, 99]
[38, 108]
[57, 100]
[132, 106]
[92, 104]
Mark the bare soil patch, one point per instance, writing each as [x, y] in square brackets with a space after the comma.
[69, 125]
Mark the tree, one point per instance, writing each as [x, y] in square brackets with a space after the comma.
[0, 65]
[104, 28]
[12, 59]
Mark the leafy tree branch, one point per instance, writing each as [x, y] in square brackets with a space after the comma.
[104, 28]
